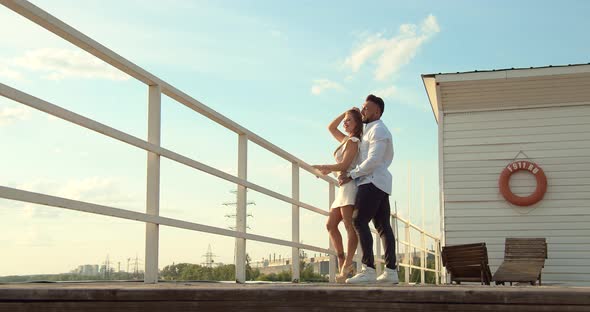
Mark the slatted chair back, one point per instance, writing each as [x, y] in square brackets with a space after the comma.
[467, 263]
[524, 259]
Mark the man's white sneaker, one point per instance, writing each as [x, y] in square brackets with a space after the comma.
[388, 276]
[365, 276]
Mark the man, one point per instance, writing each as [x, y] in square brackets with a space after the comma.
[372, 199]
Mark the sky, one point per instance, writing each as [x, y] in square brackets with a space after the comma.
[283, 69]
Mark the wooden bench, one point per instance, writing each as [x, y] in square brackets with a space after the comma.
[467, 263]
[524, 259]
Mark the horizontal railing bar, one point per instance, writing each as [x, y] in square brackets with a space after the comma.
[65, 31]
[417, 267]
[422, 231]
[414, 226]
[54, 201]
[88, 123]
[415, 246]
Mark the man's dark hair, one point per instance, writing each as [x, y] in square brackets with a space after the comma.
[377, 100]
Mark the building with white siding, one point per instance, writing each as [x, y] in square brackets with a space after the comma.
[485, 119]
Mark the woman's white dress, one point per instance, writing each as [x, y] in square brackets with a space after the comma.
[346, 194]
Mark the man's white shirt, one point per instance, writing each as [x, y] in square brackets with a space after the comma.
[376, 154]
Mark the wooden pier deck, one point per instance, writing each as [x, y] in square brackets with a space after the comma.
[204, 296]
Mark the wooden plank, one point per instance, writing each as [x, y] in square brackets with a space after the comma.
[515, 139]
[516, 219]
[518, 124]
[506, 104]
[498, 197]
[572, 93]
[511, 271]
[545, 207]
[518, 176]
[279, 306]
[550, 77]
[516, 91]
[567, 269]
[518, 190]
[498, 169]
[491, 183]
[515, 147]
[571, 278]
[454, 215]
[518, 226]
[516, 115]
[467, 262]
[523, 131]
[490, 233]
[561, 95]
[535, 155]
[500, 163]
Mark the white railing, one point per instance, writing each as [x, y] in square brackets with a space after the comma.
[408, 264]
[152, 219]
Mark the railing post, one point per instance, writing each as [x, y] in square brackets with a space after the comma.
[408, 252]
[396, 233]
[423, 263]
[436, 260]
[153, 186]
[241, 207]
[295, 222]
[333, 260]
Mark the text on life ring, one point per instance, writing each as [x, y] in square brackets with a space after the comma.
[504, 183]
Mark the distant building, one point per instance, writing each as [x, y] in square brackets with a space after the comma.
[272, 265]
[87, 269]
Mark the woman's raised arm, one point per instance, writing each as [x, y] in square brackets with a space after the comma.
[333, 128]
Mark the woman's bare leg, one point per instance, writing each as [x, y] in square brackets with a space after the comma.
[346, 212]
[334, 219]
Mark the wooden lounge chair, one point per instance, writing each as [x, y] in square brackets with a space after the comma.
[467, 263]
[524, 258]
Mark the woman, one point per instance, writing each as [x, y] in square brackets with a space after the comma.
[341, 210]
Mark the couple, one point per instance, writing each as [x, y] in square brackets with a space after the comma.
[362, 157]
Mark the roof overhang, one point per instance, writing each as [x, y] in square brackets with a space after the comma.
[431, 81]
[430, 86]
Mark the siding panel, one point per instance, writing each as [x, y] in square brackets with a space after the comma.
[478, 145]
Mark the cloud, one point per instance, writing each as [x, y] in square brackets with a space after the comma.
[59, 64]
[321, 85]
[390, 54]
[99, 190]
[403, 95]
[9, 73]
[372, 45]
[9, 115]
[386, 93]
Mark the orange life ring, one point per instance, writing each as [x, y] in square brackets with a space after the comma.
[531, 167]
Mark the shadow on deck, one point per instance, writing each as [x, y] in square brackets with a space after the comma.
[114, 297]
